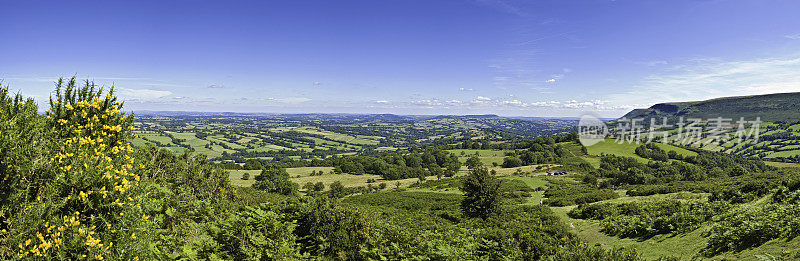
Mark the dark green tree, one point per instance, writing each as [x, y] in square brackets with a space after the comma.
[252, 164]
[276, 180]
[473, 162]
[481, 193]
[737, 171]
[319, 186]
[511, 162]
[337, 190]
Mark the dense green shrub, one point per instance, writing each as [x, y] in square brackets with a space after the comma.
[584, 252]
[394, 165]
[647, 190]
[324, 228]
[788, 192]
[649, 218]
[254, 234]
[750, 226]
[473, 162]
[628, 170]
[651, 151]
[566, 193]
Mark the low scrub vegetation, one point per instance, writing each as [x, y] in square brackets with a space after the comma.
[566, 193]
[643, 219]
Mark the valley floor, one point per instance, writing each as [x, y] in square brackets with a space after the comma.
[685, 246]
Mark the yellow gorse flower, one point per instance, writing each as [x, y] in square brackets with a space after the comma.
[93, 160]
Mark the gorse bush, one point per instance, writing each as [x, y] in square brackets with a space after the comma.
[25, 147]
[90, 203]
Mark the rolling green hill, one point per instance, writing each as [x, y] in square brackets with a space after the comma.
[623, 149]
[778, 133]
[776, 107]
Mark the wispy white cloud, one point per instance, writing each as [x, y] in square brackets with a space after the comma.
[382, 102]
[143, 93]
[481, 99]
[31, 79]
[712, 78]
[118, 79]
[466, 89]
[291, 100]
[481, 103]
[793, 36]
[653, 63]
[503, 6]
[556, 77]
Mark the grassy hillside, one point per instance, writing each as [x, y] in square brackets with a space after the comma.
[771, 108]
[778, 134]
[625, 149]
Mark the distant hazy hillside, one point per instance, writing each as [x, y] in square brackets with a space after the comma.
[771, 108]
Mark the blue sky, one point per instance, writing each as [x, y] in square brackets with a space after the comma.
[515, 58]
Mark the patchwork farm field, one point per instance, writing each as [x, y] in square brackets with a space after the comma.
[772, 141]
[277, 137]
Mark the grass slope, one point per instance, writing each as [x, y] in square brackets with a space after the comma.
[612, 146]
